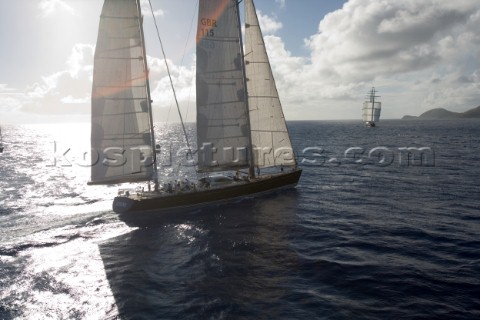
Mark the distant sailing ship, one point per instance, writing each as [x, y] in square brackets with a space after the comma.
[371, 109]
[240, 122]
[1, 141]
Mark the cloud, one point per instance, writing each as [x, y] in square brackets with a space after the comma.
[282, 3]
[10, 101]
[66, 92]
[147, 10]
[59, 94]
[80, 59]
[183, 79]
[268, 24]
[5, 89]
[403, 44]
[50, 7]
[419, 54]
[367, 38]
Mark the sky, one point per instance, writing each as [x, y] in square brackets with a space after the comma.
[325, 55]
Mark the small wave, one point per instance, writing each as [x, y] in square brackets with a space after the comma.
[15, 250]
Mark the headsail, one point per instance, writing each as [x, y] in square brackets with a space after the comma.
[121, 134]
[270, 137]
[222, 115]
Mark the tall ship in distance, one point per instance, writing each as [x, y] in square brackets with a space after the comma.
[371, 109]
[240, 126]
[1, 141]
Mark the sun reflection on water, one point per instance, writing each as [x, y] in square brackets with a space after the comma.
[53, 223]
[61, 274]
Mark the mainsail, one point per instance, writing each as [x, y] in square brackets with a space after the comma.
[223, 136]
[121, 133]
[228, 120]
[270, 137]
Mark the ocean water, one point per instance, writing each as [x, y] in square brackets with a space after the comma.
[384, 224]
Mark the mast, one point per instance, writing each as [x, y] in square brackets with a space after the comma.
[372, 99]
[251, 159]
[149, 98]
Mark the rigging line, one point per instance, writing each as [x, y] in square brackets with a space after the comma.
[185, 50]
[168, 70]
[170, 77]
[190, 91]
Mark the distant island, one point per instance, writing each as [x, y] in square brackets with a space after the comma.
[440, 113]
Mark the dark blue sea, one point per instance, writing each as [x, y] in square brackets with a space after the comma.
[384, 224]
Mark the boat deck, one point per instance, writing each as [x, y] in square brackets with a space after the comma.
[182, 188]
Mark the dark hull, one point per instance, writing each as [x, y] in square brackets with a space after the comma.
[190, 200]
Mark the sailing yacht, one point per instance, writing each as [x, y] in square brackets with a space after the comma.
[1, 141]
[241, 128]
[371, 109]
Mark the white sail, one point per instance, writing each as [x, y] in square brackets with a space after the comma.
[270, 137]
[376, 111]
[371, 111]
[367, 114]
[1, 140]
[121, 135]
[222, 117]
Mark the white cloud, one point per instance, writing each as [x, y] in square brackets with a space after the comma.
[65, 92]
[73, 100]
[50, 7]
[268, 24]
[419, 54]
[10, 101]
[58, 94]
[369, 37]
[5, 89]
[183, 79]
[282, 3]
[80, 59]
[403, 44]
[147, 10]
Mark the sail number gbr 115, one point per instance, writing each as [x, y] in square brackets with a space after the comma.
[207, 28]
